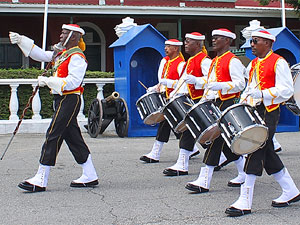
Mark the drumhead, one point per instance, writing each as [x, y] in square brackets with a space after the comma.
[196, 105]
[234, 106]
[249, 140]
[172, 100]
[292, 106]
[148, 93]
[295, 67]
[154, 118]
[209, 134]
[181, 127]
[179, 96]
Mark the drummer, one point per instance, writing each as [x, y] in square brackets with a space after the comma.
[195, 69]
[224, 83]
[169, 71]
[270, 83]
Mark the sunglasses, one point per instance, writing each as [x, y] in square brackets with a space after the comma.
[254, 41]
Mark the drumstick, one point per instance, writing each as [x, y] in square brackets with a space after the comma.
[206, 92]
[188, 104]
[249, 94]
[177, 88]
[142, 84]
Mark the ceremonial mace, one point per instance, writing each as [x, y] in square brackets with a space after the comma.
[28, 104]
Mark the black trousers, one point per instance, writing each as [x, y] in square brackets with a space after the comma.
[187, 141]
[213, 151]
[265, 157]
[164, 131]
[64, 127]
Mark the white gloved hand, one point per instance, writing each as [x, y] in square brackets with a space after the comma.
[174, 83]
[216, 86]
[190, 79]
[255, 93]
[56, 84]
[14, 37]
[247, 89]
[152, 89]
[210, 95]
[169, 83]
[42, 81]
[164, 81]
[58, 47]
[24, 43]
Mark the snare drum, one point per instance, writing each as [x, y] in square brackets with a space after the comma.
[243, 129]
[175, 111]
[150, 107]
[201, 120]
[293, 104]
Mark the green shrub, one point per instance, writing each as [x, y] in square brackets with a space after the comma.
[25, 91]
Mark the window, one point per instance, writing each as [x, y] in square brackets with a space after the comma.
[10, 55]
[169, 30]
[296, 32]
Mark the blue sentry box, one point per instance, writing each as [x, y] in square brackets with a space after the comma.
[137, 55]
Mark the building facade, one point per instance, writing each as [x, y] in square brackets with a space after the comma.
[173, 18]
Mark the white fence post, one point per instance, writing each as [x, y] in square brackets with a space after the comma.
[100, 91]
[37, 124]
[36, 104]
[14, 102]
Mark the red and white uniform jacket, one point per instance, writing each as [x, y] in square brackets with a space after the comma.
[71, 68]
[228, 69]
[197, 66]
[170, 69]
[63, 69]
[273, 77]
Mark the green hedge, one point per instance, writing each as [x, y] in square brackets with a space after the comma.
[25, 91]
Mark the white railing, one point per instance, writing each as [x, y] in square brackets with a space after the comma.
[36, 124]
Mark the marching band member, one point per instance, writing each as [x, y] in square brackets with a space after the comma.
[69, 70]
[225, 81]
[194, 70]
[277, 145]
[270, 83]
[170, 69]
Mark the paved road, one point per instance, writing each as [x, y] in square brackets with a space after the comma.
[131, 192]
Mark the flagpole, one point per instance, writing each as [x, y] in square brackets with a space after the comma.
[45, 30]
[283, 13]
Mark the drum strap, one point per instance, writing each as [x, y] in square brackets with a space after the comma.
[211, 78]
[254, 84]
[181, 79]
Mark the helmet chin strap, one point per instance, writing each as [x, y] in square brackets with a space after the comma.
[68, 38]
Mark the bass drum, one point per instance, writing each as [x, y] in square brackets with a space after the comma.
[293, 104]
[243, 129]
[175, 111]
[150, 107]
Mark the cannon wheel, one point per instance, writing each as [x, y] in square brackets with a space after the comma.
[122, 118]
[95, 116]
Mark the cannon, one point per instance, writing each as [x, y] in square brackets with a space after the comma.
[103, 111]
